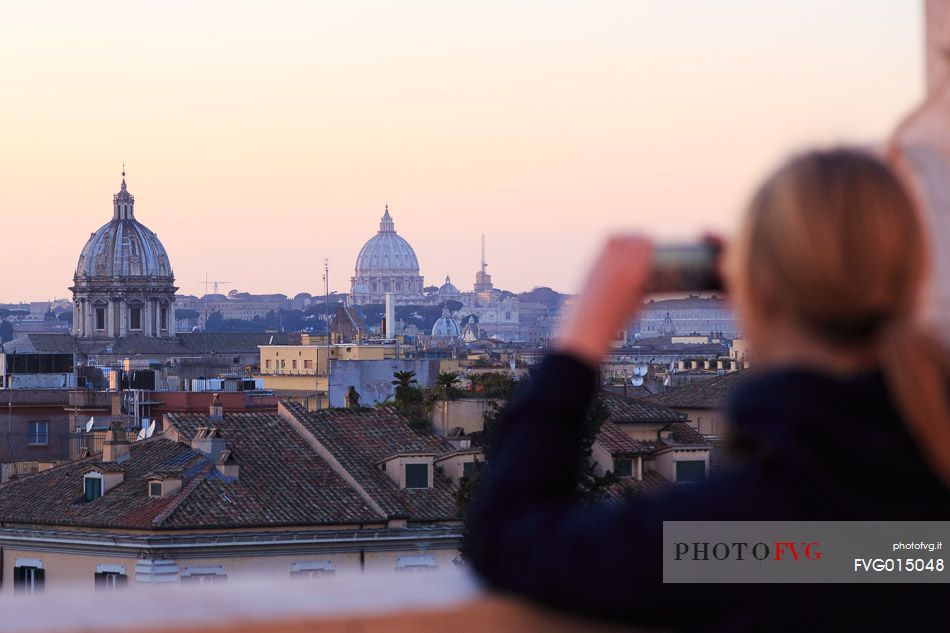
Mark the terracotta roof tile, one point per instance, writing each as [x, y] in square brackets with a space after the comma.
[360, 438]
[633, 411]
[710, 393]
[282, 482]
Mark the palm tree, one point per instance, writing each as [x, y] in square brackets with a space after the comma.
[447, 381]
[405, 382]
[404, 378]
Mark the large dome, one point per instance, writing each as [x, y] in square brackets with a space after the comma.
[386, 264]
[387, 252]
[124, 283]
[124, 247]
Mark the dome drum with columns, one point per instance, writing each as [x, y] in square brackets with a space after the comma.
[386, 263]
[124, 283]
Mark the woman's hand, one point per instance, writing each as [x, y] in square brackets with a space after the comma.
[611, 296]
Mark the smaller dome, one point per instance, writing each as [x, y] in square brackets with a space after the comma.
[446, 326]
[448, 289]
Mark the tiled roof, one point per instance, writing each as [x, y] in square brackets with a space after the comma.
[353, 315]
[55, 496]
[628, 391]
[652, 483]
[683, 434]
[282, 482]
[234, 343]
[632, 411]
[360, 438]
[703, 394]
[183, 343]
[48, 343]
[617, 442]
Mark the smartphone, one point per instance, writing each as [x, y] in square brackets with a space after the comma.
[686, 268]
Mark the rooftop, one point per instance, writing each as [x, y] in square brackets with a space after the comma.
[711, 393]
[630, 410]
[285, 480]
[182, 343]
[360, 438]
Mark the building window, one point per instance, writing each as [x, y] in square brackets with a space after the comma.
[28, 577]
[623, 467]
[690, 471]
[308, 570]
[203, 575]
[417, 475]
[135, 318]
[293, 364]
[92, 488]
[163, 317]
[308, 364]
[155, 489]
[469, 469]
[416, 563]
[38, 434]
[110, 577]
[100, 318]
[398, 286]
[267, 364]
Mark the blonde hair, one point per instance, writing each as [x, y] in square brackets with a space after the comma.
[834, 241]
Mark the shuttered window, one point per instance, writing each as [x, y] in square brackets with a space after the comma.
[93, 488]
[623, 467]
[690, 471]
[417, 475]
[28, 579]
[110, 581]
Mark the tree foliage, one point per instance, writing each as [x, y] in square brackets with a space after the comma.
[493, 384]
[447, 383]
[410, 398]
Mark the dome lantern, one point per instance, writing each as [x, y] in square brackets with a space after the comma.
[123, 203]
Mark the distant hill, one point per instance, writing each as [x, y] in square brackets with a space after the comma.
[550, 298]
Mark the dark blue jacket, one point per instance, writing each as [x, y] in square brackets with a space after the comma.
[812, 447]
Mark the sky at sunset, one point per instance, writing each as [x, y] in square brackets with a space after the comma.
[261, 137]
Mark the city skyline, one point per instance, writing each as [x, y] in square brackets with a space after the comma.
[268, 139]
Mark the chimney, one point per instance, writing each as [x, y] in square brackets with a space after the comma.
[227, 466]
[216, 411]
[116, 447]
[390, 315]
[208, 440]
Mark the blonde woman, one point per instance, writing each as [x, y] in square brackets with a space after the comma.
[847, 418]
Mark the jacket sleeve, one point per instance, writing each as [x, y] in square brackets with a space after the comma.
[528, 533]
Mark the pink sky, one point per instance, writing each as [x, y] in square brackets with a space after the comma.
[262, 137]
